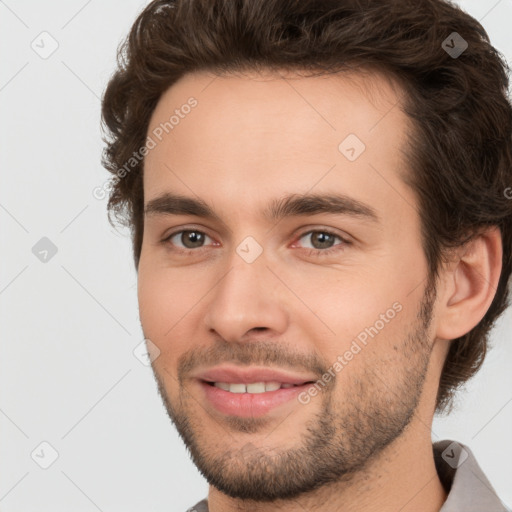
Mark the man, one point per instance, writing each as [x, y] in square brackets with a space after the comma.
[316, 192]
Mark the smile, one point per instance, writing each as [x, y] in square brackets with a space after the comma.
[253, 387]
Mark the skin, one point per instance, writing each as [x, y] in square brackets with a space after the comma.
[364, 442]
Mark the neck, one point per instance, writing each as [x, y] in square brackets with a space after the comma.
[403, 477]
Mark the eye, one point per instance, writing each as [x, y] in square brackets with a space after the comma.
[189, 238]
[322, 242]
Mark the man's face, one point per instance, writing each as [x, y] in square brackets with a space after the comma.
[334, 295]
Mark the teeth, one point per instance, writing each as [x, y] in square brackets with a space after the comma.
[272, 386]
[254, 387]
[237, 388]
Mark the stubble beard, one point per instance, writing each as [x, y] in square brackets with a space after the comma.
[335, 444]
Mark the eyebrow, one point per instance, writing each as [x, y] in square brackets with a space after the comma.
[288, 206]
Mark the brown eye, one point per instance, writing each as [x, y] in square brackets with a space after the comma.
[194, 238]
[187, 239]
[321, 239]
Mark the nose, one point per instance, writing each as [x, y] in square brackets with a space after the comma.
[248, 298]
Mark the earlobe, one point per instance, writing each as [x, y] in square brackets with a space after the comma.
[470, 284]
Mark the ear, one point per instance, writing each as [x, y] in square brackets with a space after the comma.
[469, 285]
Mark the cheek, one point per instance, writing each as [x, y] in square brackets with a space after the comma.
[368, 364]
[340, 302]
[165, 295]
[159, 310]
[154, 303]
[358, 319]
[169, 305]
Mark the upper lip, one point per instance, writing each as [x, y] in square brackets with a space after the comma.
[235, 374]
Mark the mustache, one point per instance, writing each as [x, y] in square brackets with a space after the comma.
[260, 353]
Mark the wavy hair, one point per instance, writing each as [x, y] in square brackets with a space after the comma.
[459, 153]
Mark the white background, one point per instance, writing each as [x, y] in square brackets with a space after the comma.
[68, 375]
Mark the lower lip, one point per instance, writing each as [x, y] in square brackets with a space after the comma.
[249, 404]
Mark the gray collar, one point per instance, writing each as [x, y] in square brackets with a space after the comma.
[467, 487]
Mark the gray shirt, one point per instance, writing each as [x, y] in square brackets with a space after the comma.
[465, 483]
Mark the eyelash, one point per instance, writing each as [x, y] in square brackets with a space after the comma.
[312, 252]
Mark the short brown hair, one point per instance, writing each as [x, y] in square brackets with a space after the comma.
[459, 153]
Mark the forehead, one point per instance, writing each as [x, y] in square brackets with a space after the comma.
[275, 132]
[329, 103]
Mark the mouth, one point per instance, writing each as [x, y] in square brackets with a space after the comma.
[250, 392]
[250, 400]
[253, 387]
